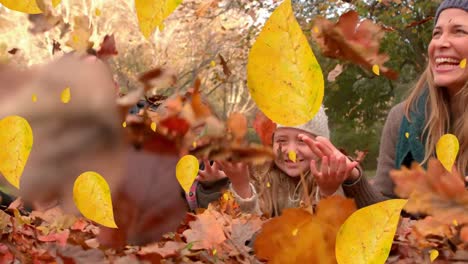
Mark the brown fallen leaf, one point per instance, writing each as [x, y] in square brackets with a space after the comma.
[264, 128]
[352, 40]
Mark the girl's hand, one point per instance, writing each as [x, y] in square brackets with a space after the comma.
[238, 173]
[335, 167]
[212, 172]
[333, 172]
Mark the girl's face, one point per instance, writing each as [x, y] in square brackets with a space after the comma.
[448, 47]
[285, 140]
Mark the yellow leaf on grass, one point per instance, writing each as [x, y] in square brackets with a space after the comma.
[292, 155]
[92, 196]
[376, 69]
[151, 14]
[283, 75]
[16, 140]
[66, 95]
[25, 6]
[447, 150]
[367, 235]
[433, 254]
[463, 63]
[186, 171]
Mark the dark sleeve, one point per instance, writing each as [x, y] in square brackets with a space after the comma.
[210, 191]
[362, 191]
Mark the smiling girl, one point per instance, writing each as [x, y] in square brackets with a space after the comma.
[271, 188]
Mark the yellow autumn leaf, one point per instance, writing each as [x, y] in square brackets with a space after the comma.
[367, 235]
[34, 98]
[92, 197]
[153, 126]
[283, 75]
[16, 140]
[447, 150]
[26, 6]
[65, 96]
[186, 171]
[124, 124]
[376, 69]
[433, 254]
[151, 14]
[292, 155]
[463, 63]
[97, 12]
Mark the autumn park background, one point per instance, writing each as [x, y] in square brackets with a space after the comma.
[205, 45]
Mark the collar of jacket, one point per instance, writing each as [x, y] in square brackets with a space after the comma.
[410, 137]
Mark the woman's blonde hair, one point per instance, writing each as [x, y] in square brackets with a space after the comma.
[277, 191]
[443, 115]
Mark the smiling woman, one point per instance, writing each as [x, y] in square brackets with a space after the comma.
[437, 105]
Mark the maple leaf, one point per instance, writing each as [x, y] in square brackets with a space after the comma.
[206, 231]
[351, 40]
[264, 128]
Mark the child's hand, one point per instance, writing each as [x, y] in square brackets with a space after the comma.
[335, 167]
[238, 173]
[333, 172]
[211, 172]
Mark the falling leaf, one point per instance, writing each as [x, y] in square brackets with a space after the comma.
[237, 125]
[367, 235]
[447, 150]
[151, 14]
[463, 63]
[292, 155]
[212, 63]
[107, 47]
[25, 6]
[406, 135]
[376, 69]
[65, 96]
[16, 140]
[97, 12]
[34, 98]
[79, 37]
[282, 71]
[226, 69]
[433, 254]
[264, 128]
[187, 171]
[352, 40]
[268, 185]
[124, 124]
[153, 126]
[92, 197]
[43, 22]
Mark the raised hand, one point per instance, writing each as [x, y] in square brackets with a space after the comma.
[211, 172]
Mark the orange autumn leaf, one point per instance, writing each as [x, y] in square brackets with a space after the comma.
[264, 128]
[352, 40]
[300, 237]
[237, 125]
[435, 192]
[199, 108]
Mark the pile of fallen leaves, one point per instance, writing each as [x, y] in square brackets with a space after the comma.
[438, 200]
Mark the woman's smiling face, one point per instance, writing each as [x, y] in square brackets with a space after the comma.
[448, 47]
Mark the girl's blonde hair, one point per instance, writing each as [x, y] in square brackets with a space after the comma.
[443, 115]
[277, 191]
